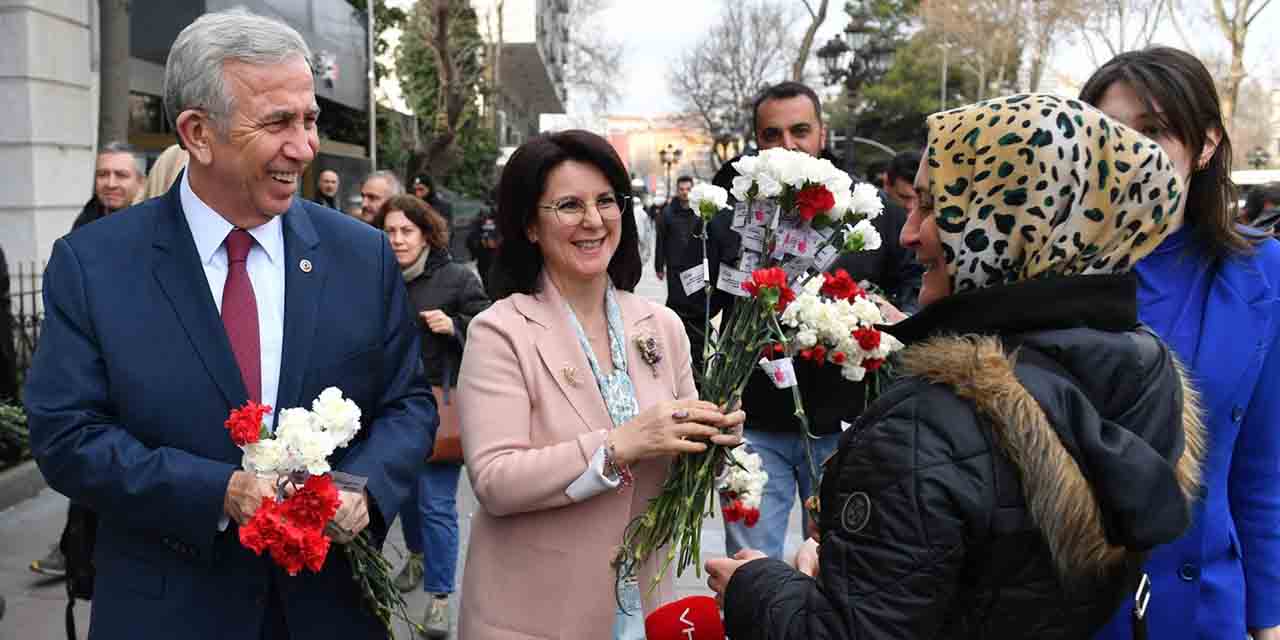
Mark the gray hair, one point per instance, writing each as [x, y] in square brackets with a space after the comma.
[397, 187]
[139, 166]
[193, 74]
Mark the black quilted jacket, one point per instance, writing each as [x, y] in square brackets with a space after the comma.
[1008, 486]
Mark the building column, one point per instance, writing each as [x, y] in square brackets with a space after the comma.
[47, 96]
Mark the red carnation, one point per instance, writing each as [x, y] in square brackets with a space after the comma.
[819, 354]
[314, 504]
[868, 338]
[245, 423]
[262, 530]
[839, 285]
[814, 200]
[733, 512]
[838, 357]
[770, 282]
[751, 517]
[871, 364]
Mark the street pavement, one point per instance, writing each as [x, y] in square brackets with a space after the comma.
[36, 605]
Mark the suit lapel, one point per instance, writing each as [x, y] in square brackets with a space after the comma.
[177, 268]
[654, 383]
[302, 289]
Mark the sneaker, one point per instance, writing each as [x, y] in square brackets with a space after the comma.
[53, 565]
[436, 623]
[411, 575]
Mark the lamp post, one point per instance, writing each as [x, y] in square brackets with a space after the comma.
[1259, 158]
[669, 157]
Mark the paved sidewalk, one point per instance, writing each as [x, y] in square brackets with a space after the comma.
[36, 605]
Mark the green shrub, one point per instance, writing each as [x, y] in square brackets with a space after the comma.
[15, 439]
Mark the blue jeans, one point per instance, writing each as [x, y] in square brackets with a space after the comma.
[784, 461]
[432, 513]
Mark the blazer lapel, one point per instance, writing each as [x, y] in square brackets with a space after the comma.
[562, 355]
[303, 284]
[656, 383]
[177, 268]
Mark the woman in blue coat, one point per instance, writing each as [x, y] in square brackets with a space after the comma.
[1210, 290]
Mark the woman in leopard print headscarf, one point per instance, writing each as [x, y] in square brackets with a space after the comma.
[1041, 441]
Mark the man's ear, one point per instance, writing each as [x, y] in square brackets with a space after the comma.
[1212, 138]
[195, 129]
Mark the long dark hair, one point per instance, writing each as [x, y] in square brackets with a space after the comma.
[1182, 88]
[524, 180]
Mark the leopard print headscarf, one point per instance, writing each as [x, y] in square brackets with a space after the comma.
[1033, 185]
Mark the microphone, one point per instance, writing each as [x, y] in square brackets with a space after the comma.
[691, 618]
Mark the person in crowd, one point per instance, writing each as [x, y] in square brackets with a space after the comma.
[162, 319]
[483, 242]
[1210, 290]
[327, 189]
[165, 171]
[8, 355]
[678, 248]
[379, 187]
[900, 179]
[118, 175]
[1262, 208]
[878, 174]
[1041, 440]
[445, 296]
[789, 115]
[424, 186]
[588, 421]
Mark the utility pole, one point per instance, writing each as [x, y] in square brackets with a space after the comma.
[373, 104]
[113, 98]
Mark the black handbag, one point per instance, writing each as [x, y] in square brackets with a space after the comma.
[76, 544]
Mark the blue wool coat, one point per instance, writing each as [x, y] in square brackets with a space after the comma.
[1223, 576]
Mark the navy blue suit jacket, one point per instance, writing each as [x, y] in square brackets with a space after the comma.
[134, 377]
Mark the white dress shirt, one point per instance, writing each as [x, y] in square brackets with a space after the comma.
[266, 273]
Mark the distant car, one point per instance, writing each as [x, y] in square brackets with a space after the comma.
[1248, 180]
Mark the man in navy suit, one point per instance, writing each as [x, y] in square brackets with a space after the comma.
[164, 317]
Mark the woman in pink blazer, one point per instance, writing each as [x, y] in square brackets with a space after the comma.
[568, 425]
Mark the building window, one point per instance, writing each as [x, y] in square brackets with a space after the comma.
[146, 114]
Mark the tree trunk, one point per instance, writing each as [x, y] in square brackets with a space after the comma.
[113, 105]
[797, 70]
[1234, 81]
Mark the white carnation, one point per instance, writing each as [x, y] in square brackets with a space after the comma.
[853, 371]
[338, 415]
[806, 338]
[266, 456]
[871, 239]
[768, 186]
[866, 200]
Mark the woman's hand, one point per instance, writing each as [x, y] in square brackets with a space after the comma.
[806, 560]
[682, 426]
[892, 315]
[437, 321]
[720, 570]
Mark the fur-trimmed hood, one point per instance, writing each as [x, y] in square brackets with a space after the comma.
[1104, 428]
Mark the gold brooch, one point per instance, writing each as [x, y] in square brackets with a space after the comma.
[570, 374]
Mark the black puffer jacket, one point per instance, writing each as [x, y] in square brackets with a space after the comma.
[454, 289]
[1008, 486]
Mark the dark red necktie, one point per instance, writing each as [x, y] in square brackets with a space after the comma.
[240, 312]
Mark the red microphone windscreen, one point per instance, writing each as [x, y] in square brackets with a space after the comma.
[691, 618]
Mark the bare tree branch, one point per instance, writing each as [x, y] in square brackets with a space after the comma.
[595, 54]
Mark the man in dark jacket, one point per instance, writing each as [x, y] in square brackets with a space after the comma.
[118, 176]
[789, 115]
[677, 255]
[327, 189]
[483, 242]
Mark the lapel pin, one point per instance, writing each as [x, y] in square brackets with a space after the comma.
[305, 265]
[570, 375]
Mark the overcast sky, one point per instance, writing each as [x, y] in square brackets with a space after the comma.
[655, 31]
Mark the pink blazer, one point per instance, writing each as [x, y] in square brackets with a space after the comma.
[531, 418]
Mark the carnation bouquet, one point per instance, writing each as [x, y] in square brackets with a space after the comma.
[295, 526]
[796, 215]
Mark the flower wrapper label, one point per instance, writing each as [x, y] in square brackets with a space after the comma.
[741, 214]
[750, 261]
[348, 482]
[731, 280]
[796, 268]
[752, 238]
[782, 372]
[692, 279]
[826, 257]
[763, 212]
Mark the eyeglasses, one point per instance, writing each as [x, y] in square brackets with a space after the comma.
[570, 211]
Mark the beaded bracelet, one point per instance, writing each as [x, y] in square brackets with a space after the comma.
[611, 467]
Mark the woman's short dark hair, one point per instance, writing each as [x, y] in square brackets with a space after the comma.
[524, 180]
[428, 220]
[1259, 198]
[1183, 90]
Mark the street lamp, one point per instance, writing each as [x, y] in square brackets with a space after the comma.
[1259, 158]
[833, 54]
[669, 157]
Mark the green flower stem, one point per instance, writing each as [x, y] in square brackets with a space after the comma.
[372, 573]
